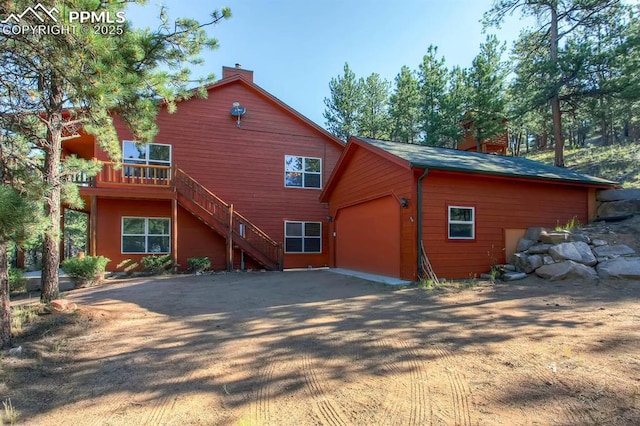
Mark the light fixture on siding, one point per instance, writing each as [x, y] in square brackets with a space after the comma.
[404, 202]
[238, 111]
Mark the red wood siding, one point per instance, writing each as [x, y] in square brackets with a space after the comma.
[500, 203]
[195, 239]
[365, 177]
[245, 165]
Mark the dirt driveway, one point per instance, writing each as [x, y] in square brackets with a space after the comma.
[307, 348]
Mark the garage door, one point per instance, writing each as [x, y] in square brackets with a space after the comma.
[368, 237]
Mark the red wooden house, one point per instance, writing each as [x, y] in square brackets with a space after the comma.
[497, 145]
[468, 209]
[235, 177]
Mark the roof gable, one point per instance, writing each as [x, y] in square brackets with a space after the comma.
[471, 162]
[353, 145]
[240, 79]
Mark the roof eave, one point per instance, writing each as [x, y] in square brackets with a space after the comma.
[603, 184]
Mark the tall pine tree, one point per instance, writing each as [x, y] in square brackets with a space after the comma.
[54, 83]
[341, 112]
[373, 115]
[487, 83]
[405, 107]
[432, 78]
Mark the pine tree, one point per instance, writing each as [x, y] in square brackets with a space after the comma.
[560, 20]
[456, 103]
[405, 107]
[341, 112]
[432, 78]
[21, 215]
[53, 84]
[373, 115]
[487, 82]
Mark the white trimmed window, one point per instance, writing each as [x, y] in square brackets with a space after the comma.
[462, 223]
[302, 172]
[303, 237]
[152, 154]
[146, 235]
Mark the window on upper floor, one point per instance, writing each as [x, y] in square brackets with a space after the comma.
[303, 237]
[461, 223]
[146, 235]
[302, 172]
[153, 159]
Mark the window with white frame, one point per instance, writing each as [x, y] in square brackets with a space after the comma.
[303, 237]
[461, 223]
[146, 235]
[147, 156]
[302, 172]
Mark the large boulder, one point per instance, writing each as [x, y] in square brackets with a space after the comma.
[597, 242]
[614, 251]
[618, 208]
[524, 244]
[619, 194]
[580, 236]
[555, 237]
[534, 233]
[539, 249]
[565, 270]
[526, 263]
[621, 267]
[578, 252]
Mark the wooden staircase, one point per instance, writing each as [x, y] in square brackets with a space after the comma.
[221, 217]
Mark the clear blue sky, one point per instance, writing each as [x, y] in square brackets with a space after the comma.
[295, 47]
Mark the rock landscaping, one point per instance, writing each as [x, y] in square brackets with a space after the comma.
[559, 255]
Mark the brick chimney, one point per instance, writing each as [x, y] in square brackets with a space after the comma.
[237, 70]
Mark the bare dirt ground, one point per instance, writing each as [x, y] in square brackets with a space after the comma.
[309, 348]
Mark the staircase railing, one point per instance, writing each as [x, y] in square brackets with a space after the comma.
[242, 229]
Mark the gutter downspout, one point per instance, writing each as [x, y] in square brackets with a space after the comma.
[419, 221]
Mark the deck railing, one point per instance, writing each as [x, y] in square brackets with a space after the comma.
[133, 174]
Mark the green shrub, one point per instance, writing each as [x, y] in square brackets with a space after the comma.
[128, 266]
[86, 271]
[199, 264]
[17, 280]
[157, 264]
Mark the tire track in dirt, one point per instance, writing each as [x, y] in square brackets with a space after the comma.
[116, 399]
[162, 406]
[546, 375]
[392, 402]
[330, 413]
[420, 397]
[266, 386]
[459, 387]
[404, 359]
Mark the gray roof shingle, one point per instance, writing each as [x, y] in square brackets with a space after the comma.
[472, 162]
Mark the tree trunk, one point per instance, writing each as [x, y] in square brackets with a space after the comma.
[5, 306]
[51, 249]
[555, 100]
